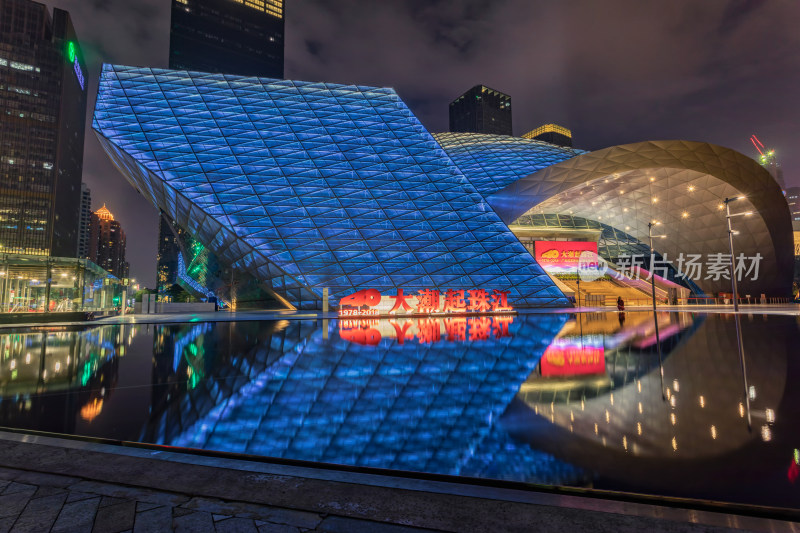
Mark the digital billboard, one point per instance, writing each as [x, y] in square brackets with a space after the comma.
[562, 255]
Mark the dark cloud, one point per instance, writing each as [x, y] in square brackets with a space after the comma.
[614, 71]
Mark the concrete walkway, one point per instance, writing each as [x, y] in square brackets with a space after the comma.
[50, 484]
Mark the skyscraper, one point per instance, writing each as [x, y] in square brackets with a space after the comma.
[226, 36]
[107, 243]
[41, 130]
[85, 222]
[481, 110]
[793, 199]
[551, 133]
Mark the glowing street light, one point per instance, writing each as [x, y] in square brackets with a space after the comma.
[731, 233]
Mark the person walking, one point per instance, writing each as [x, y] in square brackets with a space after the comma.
[620, 303]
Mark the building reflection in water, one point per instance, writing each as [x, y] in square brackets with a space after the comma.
[363, 396]
[691, 440]
[547, 398]
[38, 364]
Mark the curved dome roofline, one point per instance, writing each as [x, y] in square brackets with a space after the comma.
[733, 170]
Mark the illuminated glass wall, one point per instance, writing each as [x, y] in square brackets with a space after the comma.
[310, 185]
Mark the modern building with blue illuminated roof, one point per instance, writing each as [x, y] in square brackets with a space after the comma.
[306, 186]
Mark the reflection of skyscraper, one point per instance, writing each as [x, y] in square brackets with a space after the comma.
[41, 129]
[107, 243]
[228, 36]
[481, 110]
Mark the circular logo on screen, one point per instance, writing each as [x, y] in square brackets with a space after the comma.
[591, 266]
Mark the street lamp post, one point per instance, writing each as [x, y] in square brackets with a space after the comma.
[739, 341]
[728, 217]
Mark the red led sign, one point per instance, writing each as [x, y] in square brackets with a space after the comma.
[562, 254]
[426, 302]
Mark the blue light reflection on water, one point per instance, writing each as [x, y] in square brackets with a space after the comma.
[421, 407]
[353, 393]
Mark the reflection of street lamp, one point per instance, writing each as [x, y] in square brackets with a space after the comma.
[653, 295]
[728, 217]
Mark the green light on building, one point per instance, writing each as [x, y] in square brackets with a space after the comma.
[71, 51]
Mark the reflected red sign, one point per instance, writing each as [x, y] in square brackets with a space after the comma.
[426, 330]
[572, 360]
[562, 254]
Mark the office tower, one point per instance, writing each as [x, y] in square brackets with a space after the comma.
[768, 160]
[85, 221]
[107, 243]
[793, 199]
[481, 110]
[41, 130]
[228, 36]
[551, 133]
[168, 250]
[223, 36]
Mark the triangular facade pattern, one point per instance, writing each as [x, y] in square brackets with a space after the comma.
[310, 185]
[318, 397]
[492, 162]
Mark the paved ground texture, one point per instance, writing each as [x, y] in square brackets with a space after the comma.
[32, 502]
[50, 485]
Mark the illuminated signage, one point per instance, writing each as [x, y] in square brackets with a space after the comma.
[73, 58]
[562, 255]
[427, 330]
[565, 358]
[370, 302]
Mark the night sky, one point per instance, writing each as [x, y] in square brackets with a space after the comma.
[613, 71]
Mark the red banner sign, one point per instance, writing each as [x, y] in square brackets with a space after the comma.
[562, 359]
[562, 254]
[367, 302]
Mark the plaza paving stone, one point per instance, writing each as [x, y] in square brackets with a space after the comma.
[103, 488]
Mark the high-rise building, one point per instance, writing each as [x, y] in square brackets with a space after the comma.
[551, 133]
[42, 114]
[107, 243]
[85, 222]
[227, 36]
[793, 199]
[481, 110]
[242, 37]
[768, 160]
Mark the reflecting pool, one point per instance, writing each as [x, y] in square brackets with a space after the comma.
[590, 400]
